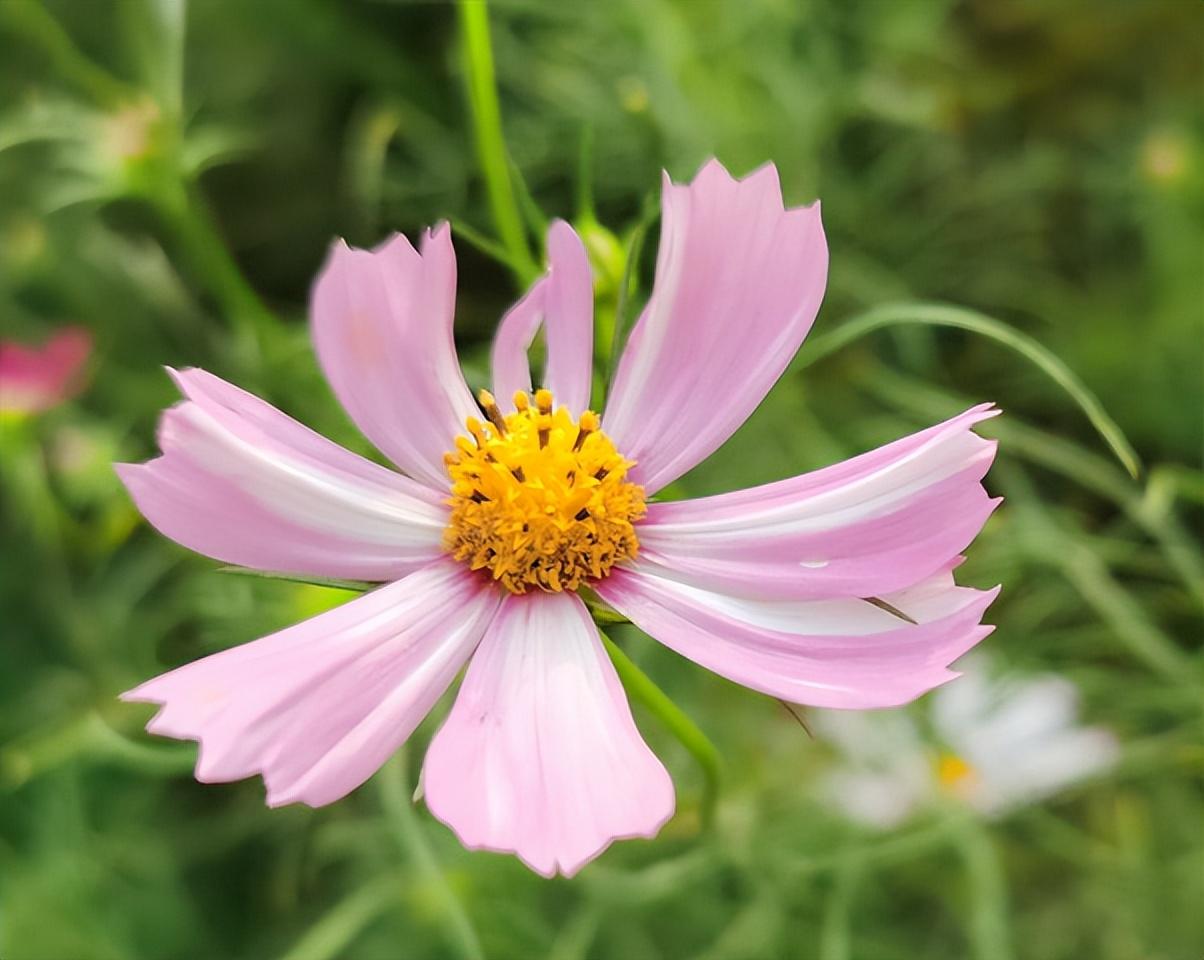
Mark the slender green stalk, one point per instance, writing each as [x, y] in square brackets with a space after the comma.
[1063, 456]
[329, 937]
[628, 287]
[1083, 568]
[159, 759]
[836, 934]
[88, 738]
[536, 220]
[943, 315]
[1115, 605]
[884, 851]
[640, 688]
[353, 586]
[40, 30]
[585, 175]
[488, 247]
[403, 823]
[211, 263]
[477, 53]
[990, 936]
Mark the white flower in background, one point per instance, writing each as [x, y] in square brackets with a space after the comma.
[997, 744]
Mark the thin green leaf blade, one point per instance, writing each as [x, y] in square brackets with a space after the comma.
[944, 315]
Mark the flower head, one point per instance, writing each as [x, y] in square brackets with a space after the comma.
[34, 379]
[539, 499]
[506, 504]
[1001, 743]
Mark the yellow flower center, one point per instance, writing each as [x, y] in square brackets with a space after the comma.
[955, 775]
[540, 499]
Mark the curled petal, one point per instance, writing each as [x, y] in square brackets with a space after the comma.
[868, 526]
[739, 280]
[241, 482]
[318, 707]
[563, 301]
[826, 653]
[382, 328]
[540, 755]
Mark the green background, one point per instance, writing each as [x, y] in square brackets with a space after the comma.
[171, 177]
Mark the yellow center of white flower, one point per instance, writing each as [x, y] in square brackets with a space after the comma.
[540, 499]
[955, 775]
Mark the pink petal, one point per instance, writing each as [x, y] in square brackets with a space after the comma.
[871, 525]
[244, 483]
[382, 327]
[827, 653]
[739, 280]
[515, 334]
[563, 301]
[35, 379]
[318, 707]
[540, 755]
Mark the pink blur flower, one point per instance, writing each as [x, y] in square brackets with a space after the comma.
[34, 379]
[502, 511]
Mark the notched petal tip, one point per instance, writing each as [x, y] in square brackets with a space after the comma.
[540, 757]
[437, 237]
[136, 695]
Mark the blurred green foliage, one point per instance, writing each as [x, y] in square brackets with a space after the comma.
[171, 176]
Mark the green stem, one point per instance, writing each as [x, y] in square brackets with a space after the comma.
[585, 175]
[836, 934]
[205, 250]
[880, 852]
[641, 689]
[89, 738]
[628, 286]
[403, 822]
[329, 937]
[943, 315]
[352, 586]
[989, 933]
[1061, 456]
[477, 53]
[38, 27]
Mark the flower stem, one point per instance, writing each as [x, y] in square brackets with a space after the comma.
[640, 688]
[336, 930]
[39, 30]
[836, 933]
[404, 824]
[210, 261]
[989, 935]
[477, 53]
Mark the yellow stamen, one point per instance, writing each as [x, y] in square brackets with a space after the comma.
[492, 411]
[588, 424]
[540, 500]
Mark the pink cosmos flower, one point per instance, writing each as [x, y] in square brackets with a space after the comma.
[34, 379]
[504, 510]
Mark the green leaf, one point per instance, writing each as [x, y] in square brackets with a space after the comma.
[536, 220]
[943, 315]
[356, 586]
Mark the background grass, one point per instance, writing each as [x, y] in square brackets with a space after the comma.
[171, 176]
